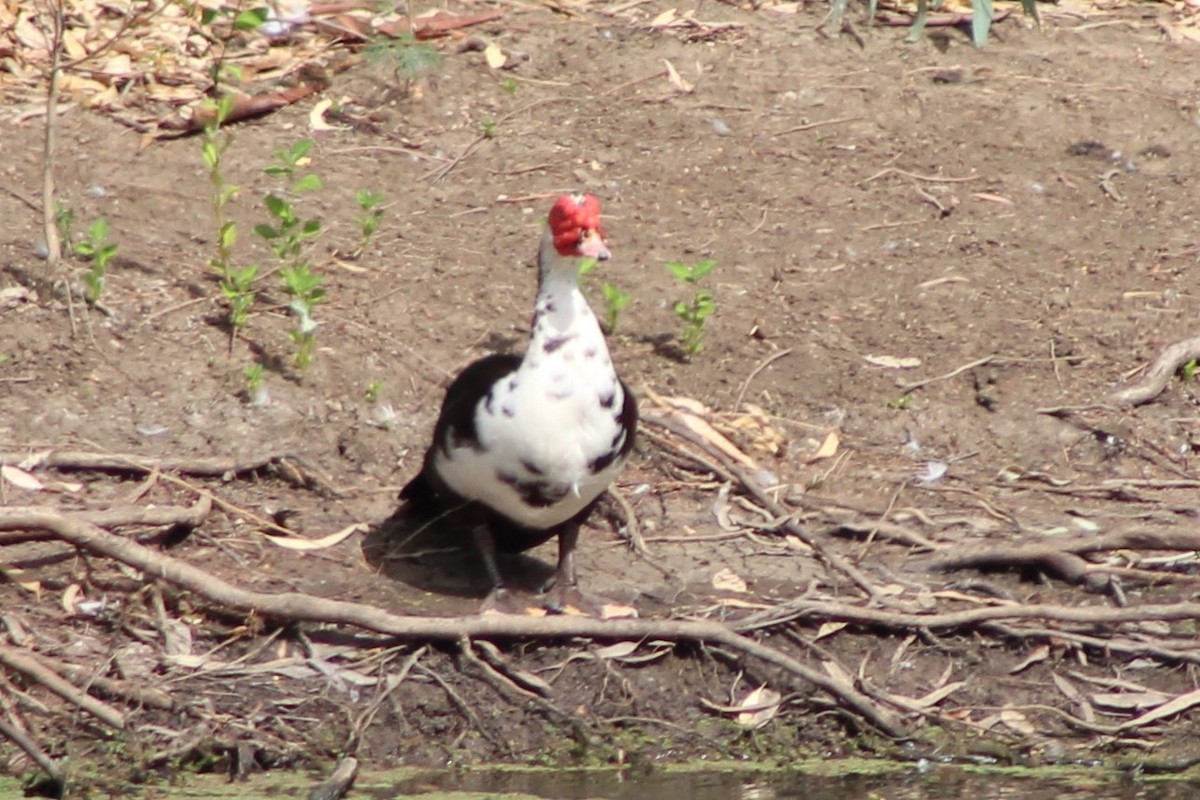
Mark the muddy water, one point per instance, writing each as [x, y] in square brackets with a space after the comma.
[933, 784]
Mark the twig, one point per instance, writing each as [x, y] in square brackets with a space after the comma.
[1152, 383]
[917, 177]
[442, 172]
[766, 362]
[633, 531]
[462, 705]
[905, 388]
[808, 126]
[32, 668]
[296, 606]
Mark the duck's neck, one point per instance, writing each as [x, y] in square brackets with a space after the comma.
[566, 338]
[561, 308]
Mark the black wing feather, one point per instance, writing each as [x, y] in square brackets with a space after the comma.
[456, 421]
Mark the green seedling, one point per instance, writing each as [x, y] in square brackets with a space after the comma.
[237, 288]
[304, 287]
[409, 58]
[901, 403]
[64, 221]
[235, 283]
[1189, 369]
[694, 314]
[488, 128]
[368, 221]
[287, 235]
[509, 85]
[97, 248]
[256, 387]
[615, 301]
[374, 390]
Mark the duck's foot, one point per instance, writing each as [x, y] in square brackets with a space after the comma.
[503, 600]
[564, 599]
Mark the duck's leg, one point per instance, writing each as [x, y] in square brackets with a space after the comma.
[499, 599]
[562, 592]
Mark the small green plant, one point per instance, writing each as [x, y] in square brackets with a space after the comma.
[235, 283]
[287, 235]
[694, 313]
[1189, 369]
[64, 221]
[488, 128]
[615, 301]
[368, 221]
[305, 290]
[509, 85]
[256, 386]
[409, 58]
[374, 389]
[901, 403]
[97, 248]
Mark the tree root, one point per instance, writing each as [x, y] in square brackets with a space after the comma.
[298, 607]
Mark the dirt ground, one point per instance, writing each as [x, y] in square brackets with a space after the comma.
[1015, 225]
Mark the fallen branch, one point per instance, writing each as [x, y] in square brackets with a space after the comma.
[293, 469]
[729, 471]
[27, 664]
[298, 607]
[191, 517]
[338, 783]
[34, 751]
[1156, 378]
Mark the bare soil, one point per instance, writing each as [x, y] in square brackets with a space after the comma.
[1029, 208]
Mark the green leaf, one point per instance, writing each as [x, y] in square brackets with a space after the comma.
[276, 171]
[266, 231]
[208, 152]
[368, 200]
[228, 235]
[680, 270]
[207, 15]
[981, 21]
[703, 268]
[279, 208]
[311, 227]
[250, 20]
[308, 183]
[98, 231]
[587, 265]
[300, 150]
